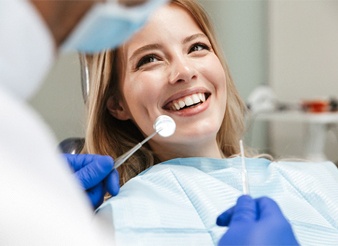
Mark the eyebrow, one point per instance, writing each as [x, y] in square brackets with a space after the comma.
[143, 49]
[157, 46]
[195, 36]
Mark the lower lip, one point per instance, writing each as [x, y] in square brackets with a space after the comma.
[193, 110]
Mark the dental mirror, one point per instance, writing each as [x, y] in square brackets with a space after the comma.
[164, 125]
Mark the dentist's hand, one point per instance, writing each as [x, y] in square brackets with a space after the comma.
[255, 222]
[95, 174]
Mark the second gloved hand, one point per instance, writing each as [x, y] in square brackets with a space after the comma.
[256, 222]
[96, 175]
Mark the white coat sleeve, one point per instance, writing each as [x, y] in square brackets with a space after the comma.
[41, 203]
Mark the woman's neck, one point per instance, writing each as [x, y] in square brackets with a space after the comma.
[210, 150]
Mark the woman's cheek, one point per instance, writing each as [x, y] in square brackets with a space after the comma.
[153, 82]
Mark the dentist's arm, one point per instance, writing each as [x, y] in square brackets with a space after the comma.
[256, 222]
[95, 174]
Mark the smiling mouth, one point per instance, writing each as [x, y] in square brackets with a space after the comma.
[187, 101]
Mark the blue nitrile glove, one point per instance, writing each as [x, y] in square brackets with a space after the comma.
[256, 222]
[96, 175]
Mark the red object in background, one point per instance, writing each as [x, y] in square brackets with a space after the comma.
[316, 106]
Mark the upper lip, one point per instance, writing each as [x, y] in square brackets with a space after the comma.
[183, 94]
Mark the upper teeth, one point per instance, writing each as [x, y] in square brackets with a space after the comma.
[188, 101]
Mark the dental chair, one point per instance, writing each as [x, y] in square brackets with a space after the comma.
[71, 145]
[74, 145]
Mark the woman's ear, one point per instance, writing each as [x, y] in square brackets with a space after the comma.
[117, 109]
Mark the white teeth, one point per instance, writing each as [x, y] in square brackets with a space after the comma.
[181, 104]
[176, 106]
[201, 96]
[195, 98]
[188, 101]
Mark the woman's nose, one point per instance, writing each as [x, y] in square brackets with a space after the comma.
[181, 71]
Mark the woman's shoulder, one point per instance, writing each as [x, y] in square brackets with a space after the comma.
[300, 164]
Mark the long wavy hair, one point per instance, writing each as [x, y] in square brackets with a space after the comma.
[107, 135]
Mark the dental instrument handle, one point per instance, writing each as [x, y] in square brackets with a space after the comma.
[164, 125]
[245, 181]
[122, 158]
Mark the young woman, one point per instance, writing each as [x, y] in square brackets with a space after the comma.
[159, 80]
[173, 66]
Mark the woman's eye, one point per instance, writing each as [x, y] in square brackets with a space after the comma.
[199, 47]
[146, 59]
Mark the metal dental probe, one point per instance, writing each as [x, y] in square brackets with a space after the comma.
[245, 181]
[164, 125]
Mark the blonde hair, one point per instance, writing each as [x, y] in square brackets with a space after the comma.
[106, 135]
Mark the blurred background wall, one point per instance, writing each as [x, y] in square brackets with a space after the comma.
[303, 64]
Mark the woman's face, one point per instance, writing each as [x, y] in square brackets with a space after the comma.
[171, 69]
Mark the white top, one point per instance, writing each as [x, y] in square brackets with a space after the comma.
[27, 48]
[41, 203]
